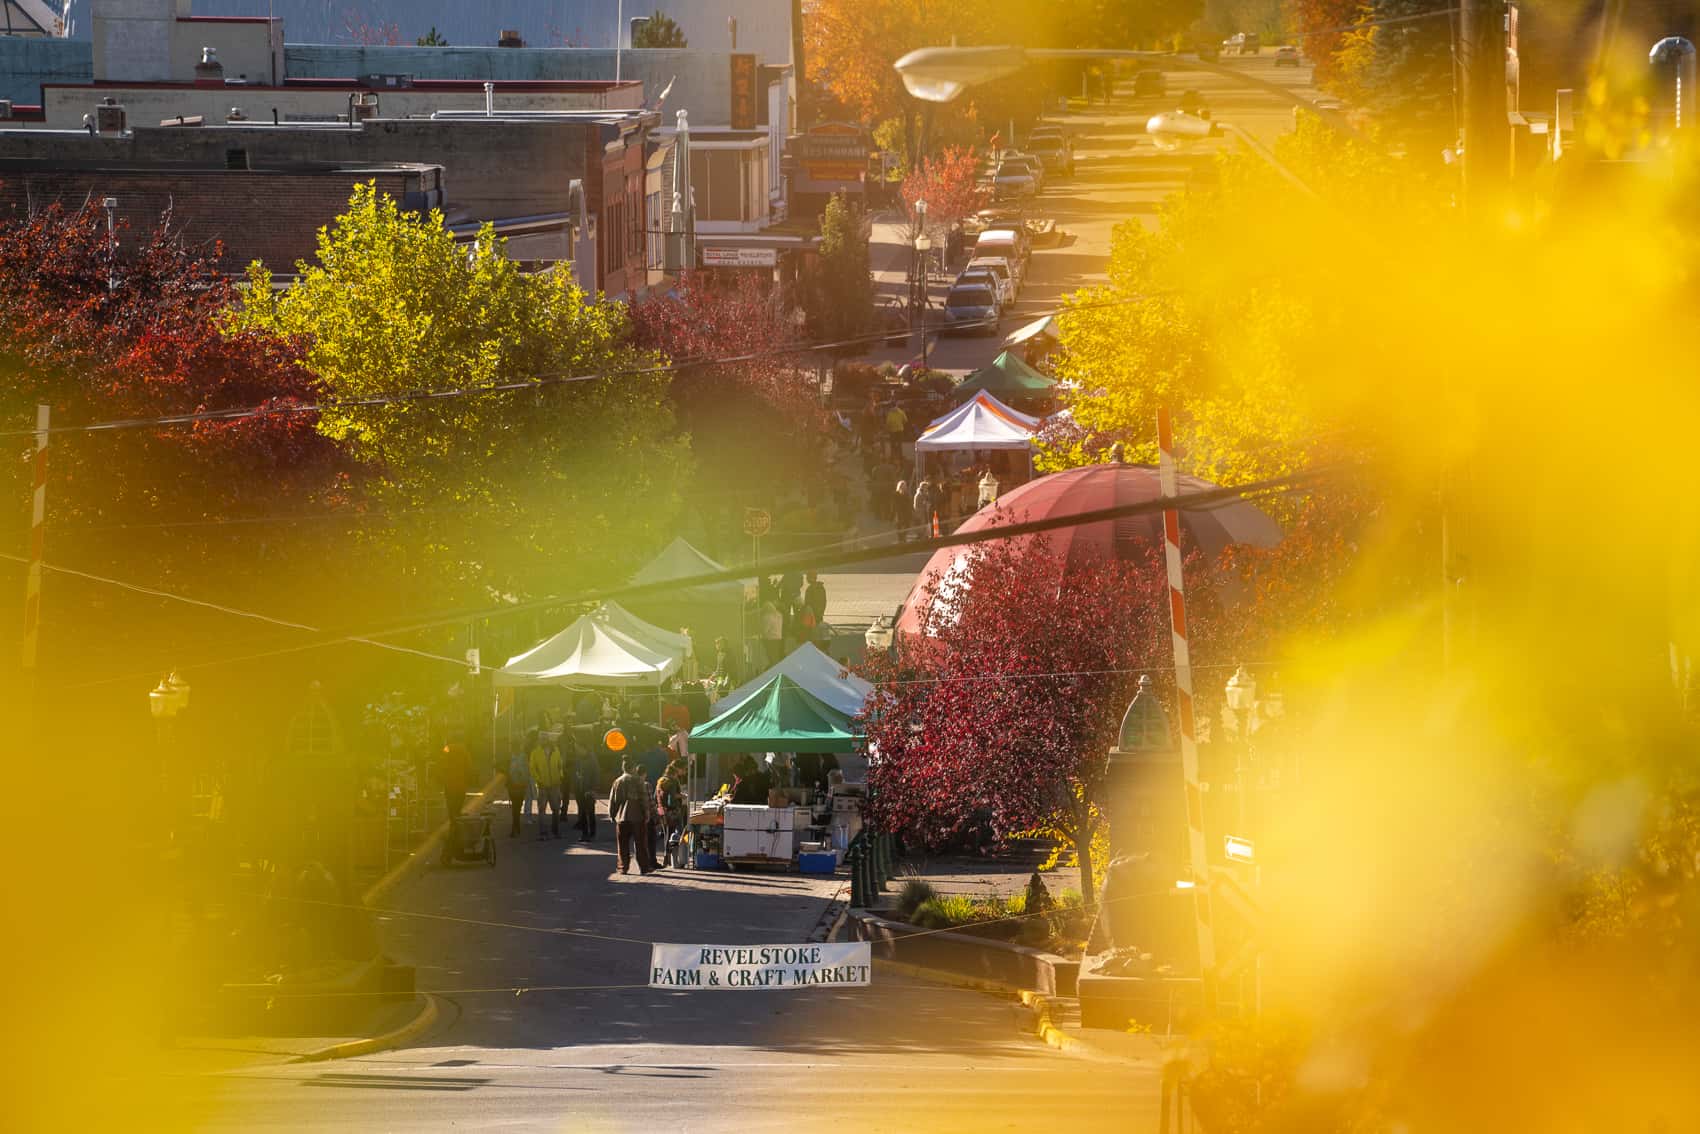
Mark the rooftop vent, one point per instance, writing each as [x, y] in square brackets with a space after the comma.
[109, 116]
[510, 38]
[209, 71]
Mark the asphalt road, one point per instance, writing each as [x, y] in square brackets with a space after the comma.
[595, 1053]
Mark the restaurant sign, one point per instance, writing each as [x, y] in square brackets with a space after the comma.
[716, 257]
[743, 967]
[833, 151]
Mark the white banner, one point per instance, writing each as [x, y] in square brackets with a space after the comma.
[740, 967]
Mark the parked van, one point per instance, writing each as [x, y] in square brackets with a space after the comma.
[1012, 244]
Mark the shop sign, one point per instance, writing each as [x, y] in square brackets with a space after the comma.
[743, 92]
[743, 967]
[713, 257]
[833, 151]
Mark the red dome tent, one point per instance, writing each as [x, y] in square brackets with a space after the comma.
[1090, 489]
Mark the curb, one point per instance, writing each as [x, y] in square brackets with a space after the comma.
[1040, 1005]
[396, 1037]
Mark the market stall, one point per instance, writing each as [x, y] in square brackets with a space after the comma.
[710, 610]
[1008, 378]
[795, 824]
[984, 425]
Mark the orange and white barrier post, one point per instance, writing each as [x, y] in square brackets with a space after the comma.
[1168, 479]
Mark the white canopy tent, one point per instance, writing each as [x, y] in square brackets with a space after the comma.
[1044, 325]
[679, 560]
[982, 422]
[815, 672]
[596, 651]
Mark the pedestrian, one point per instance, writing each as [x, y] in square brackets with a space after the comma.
[671, 806]
[546, 773]
[726, 668]
[454, 769]
[988, 488]
[896, 421]
[519, 785]
[814, 598]
[688, 667]
[628, 804]
[926, 503]
[772, 632]
[587, 785]
[901, 503]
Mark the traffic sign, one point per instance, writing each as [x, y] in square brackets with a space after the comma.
[757, 522]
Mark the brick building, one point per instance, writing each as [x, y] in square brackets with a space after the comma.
[271, 215]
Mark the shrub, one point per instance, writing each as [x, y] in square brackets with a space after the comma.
[912, 895]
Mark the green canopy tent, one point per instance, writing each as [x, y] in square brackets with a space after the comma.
[1005, 377]
[781, 716]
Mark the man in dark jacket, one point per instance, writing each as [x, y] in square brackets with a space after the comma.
[629, 805]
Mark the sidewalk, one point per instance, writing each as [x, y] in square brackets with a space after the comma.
[384, 1027]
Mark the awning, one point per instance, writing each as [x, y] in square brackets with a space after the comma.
[1006, 376]
[1045, 325]
[593, 651]
[982, 422]
[781, 716]
[815, 672]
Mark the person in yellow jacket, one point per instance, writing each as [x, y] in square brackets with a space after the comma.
[547, 773]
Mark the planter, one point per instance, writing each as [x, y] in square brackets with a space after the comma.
[966, 955]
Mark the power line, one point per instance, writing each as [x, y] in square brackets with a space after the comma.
[809, 559]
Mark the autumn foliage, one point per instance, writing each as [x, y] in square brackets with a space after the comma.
[1001, 713]
[948, 183]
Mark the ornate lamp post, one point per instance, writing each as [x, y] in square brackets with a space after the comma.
[165, 701]
[1143, 777]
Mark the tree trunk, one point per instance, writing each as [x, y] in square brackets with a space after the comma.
[1083, 855]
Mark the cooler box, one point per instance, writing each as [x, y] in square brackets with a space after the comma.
[817, 862]
[708, 860]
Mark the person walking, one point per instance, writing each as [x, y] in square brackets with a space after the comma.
[814, 598]
[901, 504]
[926, 503]
[671, 806]
[454, 770]
[519, 786]
[546, 772]
[587, 784]
[896, 421]
[772, 632]
[628, 804]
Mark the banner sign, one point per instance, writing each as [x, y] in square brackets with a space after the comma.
[838, 965]
[720, 257]
[744, 108]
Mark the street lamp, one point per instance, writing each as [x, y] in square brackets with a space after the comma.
[918, 294]
[169, 697]
[110, 204]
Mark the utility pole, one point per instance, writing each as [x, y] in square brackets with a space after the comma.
[1487, 131]
[38, 543]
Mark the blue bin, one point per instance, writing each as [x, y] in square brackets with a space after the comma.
[817, 862]
[707, 860]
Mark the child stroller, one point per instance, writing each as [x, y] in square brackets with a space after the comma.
[470, 839]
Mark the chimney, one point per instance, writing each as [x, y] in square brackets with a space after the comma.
[209, 72]
[362, 105]
[510, 38]
[109, 116]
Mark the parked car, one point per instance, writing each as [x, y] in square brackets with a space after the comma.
[1148, 84]
[971, 307]
[1012, 243]
[1025, 161]
[984, 277]
[1012, 183]
[1054, 152]
[1286, 56]
[1004, 270]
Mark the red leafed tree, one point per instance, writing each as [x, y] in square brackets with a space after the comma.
[1322, 24]
[947, 183]
[133, 332]
[1003, 712]
[762, 392]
